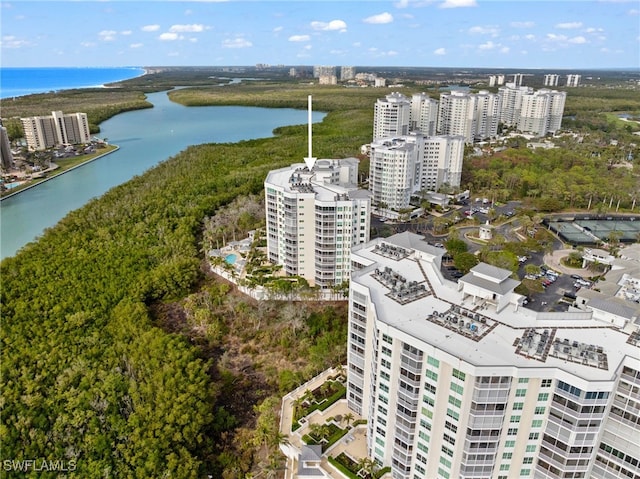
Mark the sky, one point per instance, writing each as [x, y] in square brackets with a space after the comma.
[570, 34]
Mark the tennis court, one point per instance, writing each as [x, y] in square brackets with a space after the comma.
[588, 231]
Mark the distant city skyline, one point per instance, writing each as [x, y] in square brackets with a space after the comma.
[542, 34]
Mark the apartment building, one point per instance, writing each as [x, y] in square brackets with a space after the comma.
[423, 116]
[347, 73]
[460, 380]
[486, 115]
[541, 112]
[323, 70]
[314, 217]
[391, 116]
[551, 79]
[511, 102]
[457, 115]
[496, 80]
[402, 166]
[6, 156]
[573, 80]
[42, 132]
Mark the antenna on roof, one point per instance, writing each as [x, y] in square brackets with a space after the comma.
[310, 160]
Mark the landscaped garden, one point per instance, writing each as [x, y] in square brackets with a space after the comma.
[365, 468]
[320, 398]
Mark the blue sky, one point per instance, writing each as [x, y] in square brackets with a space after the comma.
[431, 33]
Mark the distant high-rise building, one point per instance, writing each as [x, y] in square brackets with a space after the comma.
[43, 132]
[379, 82]
[424, 114]
[6, 157]
[518, 78]
[460, 380]
[456, 114]
[496, 80]
[391, 116]
[541, 112]
[322, 70]
[401, 166]
[347, 73]
[487, 115]
[511, 102]
[551, 80]
[573, 80]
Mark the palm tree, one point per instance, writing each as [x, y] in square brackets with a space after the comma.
[347, 418]
[366, 467]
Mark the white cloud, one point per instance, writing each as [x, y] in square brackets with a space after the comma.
[504, 50]
[299, 38]
[531, 36]
[339, 25]
[440, 51]
[569, 25]
[193, 40]
[357, 44]
[188, 12]
[237, 43]
[594, 30]
[487, 45]
[278, 29]
[193, 28]
[150, 28]
[87, 44]
[633, 12]
[107, 35]
[578, 40]
[169, 36]
[485, 30]
[10, 41]
[556, 38]
[522, 24]
[458, 3]
[136, 45]
[126, 32]
[307, 47]
[381, 18]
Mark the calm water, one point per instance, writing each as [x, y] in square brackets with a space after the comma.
[25, 81]
[145, 137]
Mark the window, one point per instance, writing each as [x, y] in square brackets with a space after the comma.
[431, 375]
[546, 383]
[504, 467]
[531, 448]
[523, 380]
[521, 393]
[507, 455]
[525, 472]
[543, 397]
[517, 406]
[537, 423]
[512, 431]
[453, 414]
[510, 444]
[455, 402]
[514, 419]
[540, 410]
[458, 374]
[457, 388]
[534, 436]
[433, 362]
[527, 460]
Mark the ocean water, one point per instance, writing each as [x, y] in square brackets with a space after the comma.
[26, 81]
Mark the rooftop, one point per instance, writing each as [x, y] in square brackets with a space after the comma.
[475, 332]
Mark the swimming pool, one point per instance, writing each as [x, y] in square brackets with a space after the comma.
[231, 258]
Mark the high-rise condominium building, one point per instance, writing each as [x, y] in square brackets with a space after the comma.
[487, 115]
[424, 114]
[456, 114]
[511, 102]
[43, 132]
[323, 70]
[402, 166]
[6, 157]
[496, 80]
[314, 217]
[462, 381]
[347, 73]
[541, 112]
[573, 80]
[391, 116]
[551, 80]
[518, 78]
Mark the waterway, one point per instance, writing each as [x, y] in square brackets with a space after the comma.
[146, 137]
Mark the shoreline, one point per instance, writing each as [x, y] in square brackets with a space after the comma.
[145, 71]
[44, 180]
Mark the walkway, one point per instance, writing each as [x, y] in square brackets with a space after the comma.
[554, 261]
